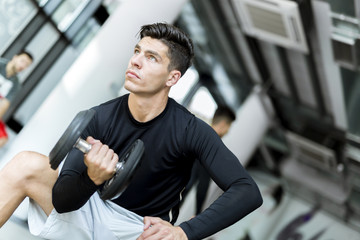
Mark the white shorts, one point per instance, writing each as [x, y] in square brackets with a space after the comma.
[97, 219]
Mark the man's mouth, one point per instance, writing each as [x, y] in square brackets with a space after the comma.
[132, 73]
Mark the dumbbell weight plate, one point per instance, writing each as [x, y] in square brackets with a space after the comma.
[129, 161]
[69, 137]
[122, 177]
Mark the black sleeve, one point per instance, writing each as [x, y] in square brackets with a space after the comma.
[193, 180]
[73, 187]
[241, 194]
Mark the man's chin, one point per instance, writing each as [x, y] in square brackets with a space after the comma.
[130, 87]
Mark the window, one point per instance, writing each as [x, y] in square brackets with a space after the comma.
[14, 15]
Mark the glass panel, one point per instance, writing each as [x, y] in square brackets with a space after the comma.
[347, 26]
[67, 12]
[86, 34]
[46, 85]
[351, 83]
[345, 7]
[42, 3]
[14, 15]
[39, 46]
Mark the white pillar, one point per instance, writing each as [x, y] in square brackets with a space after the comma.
[88, 82]
[253, 119]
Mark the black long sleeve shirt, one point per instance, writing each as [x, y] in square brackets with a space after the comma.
[173, 140]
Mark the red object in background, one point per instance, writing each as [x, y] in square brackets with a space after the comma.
[3, 133]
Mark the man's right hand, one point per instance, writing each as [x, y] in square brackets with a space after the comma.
[156, 228]
[100, 161]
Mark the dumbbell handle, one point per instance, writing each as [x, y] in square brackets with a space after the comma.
[85, 147]
[82, 145]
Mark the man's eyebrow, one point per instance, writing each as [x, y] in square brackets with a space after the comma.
[156, 54]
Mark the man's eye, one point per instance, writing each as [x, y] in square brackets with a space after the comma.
[136, 51]
[152, 58]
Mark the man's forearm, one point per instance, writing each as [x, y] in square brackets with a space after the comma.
[239, 200]
[72, 192]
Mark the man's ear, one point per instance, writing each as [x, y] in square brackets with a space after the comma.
[174, 76]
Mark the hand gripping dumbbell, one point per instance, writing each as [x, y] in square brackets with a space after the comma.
[125, 168]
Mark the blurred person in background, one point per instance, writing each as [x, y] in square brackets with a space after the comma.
[10, 85]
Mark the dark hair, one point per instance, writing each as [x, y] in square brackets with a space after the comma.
[180, 45]
[223, 113]
[26, 53]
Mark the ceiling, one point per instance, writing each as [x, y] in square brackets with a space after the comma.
[304, 55]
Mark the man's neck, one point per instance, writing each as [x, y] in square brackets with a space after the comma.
[144, 109]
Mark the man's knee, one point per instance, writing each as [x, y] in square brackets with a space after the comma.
[30, 164]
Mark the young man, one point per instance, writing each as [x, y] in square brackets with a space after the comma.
[10, 85]
[68, 205]
[221, 123]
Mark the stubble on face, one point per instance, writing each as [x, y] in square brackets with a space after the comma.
[148, 68]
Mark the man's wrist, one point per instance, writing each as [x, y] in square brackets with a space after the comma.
[182, 233]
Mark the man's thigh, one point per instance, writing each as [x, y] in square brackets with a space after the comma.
[97, 219]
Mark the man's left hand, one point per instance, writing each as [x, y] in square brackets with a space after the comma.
[155, 228]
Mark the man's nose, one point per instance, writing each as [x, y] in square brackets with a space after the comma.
[136, 60]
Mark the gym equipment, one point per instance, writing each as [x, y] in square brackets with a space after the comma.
[125, 168]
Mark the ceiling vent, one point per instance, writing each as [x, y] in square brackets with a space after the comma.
[346, 51]
[312, 153]
[346, 41]
[275, 21]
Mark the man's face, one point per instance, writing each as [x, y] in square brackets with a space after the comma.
[21, 62]
[147, 71]
[222, 128]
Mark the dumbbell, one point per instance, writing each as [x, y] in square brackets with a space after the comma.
[125, 168]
